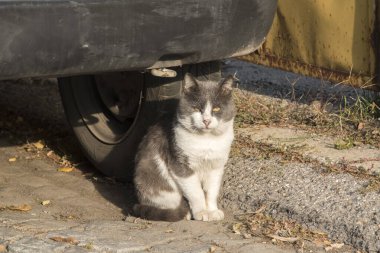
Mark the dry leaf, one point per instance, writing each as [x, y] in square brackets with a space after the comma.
[89, 246]
[284, 239]
[65, 169]
[247, 236]
[22, 208]
[337, 245]
[3, 248]
[361, 126]
[212, 249]
[45, 202]
[67, 217]
[50, 153]
[261, 209]
[70, 240]
[12, 159]
[39, 145]
[169, 231]
[334, 246]
[236, 228]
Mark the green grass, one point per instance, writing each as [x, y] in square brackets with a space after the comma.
[361, 110]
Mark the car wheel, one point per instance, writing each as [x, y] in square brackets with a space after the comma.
[110, 113]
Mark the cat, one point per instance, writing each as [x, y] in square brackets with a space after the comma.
[180, 161]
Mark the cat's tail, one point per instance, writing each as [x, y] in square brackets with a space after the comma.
[157, 214]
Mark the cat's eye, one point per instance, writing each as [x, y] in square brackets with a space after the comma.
[195, 109]
[216, 109]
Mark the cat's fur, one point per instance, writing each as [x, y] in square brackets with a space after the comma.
[180, 162]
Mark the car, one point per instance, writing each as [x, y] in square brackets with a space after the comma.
[120, 63]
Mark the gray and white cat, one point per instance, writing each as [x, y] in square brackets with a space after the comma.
[180, 162]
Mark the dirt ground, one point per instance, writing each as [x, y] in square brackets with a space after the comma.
[288, 188]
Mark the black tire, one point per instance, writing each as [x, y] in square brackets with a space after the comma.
[109, 141]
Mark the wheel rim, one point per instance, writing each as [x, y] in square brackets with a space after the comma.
[111, 104]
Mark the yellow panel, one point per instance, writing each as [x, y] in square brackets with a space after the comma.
[329, 34]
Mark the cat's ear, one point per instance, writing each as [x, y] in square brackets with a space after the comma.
[227, 84]
[189, 82]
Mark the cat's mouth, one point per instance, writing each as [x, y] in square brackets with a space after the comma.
[206, 129]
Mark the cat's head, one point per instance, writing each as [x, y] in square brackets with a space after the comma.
[206, 106]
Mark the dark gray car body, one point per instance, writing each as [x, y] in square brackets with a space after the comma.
[63, 38]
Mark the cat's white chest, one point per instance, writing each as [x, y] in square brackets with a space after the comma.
[205, 151]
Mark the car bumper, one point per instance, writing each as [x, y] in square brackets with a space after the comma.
[58, 38]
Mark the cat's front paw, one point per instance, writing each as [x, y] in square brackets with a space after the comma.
[209, 215]
[202, 215]
[215, 215]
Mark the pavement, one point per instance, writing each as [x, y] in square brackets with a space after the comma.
[44, 209]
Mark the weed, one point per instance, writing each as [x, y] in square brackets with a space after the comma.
[353, 119]
[260, 224]
[362, 109]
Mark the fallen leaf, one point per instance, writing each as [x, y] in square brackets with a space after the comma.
[12, 159]
[342, 144]
[361, 126]
[39, 145]
[284, 239]
[45, 202]
[3, 248]
[236, 228]
[334, 246]
[22, 208]
[247, 236]
[89, 246]
[70, 240]
[337, 245]
[169, 231]
[65, 169]
[212, 249]
[67, 217]
[261, 209]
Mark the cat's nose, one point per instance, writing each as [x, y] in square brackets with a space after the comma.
[206, 122]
